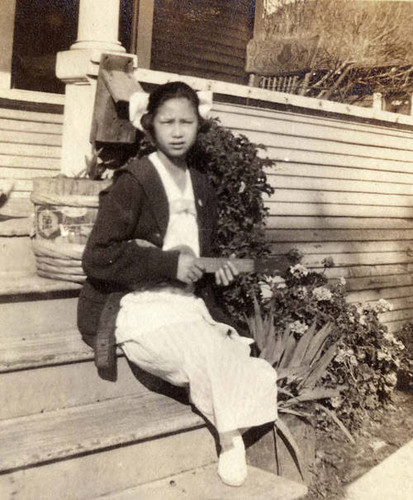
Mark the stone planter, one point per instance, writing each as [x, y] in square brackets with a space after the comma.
[262, 452]
[65, 211]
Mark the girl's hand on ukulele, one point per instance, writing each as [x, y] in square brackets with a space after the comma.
[226, 274]
[188, 271]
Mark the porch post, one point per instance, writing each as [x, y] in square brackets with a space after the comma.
[8, 11]
[78, 68]
[377, 100]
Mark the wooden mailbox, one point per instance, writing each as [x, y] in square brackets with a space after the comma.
[115, 85]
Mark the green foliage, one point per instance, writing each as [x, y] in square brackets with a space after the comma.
[237, 172]
[405, 374]
[367, 355]
[302, 364]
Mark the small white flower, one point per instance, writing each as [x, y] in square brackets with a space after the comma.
[353, 360]
[342, 281]
[340, 356]
[391, 379]
[322, 293]
[274, 280]
[382, 354]
[242, 187]
[301, 292]
[383, 306]
[266, 290]
[335, 401]
[299, 270]
[390, 337]
[298, 327]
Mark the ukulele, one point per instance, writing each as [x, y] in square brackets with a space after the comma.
[269, 265]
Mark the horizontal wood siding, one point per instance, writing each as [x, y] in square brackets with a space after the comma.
[342, 190]
[205, 38]
[30, 146]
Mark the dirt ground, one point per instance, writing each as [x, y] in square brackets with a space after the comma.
[339, 462]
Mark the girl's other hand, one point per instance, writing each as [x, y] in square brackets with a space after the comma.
[188, 271]
[226, 274]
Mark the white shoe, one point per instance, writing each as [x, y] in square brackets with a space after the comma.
[232, 464]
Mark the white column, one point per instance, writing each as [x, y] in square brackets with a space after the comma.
[98, 25]
[78, 68]
[8, 10]
[377, 100]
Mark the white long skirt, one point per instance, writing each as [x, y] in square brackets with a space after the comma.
[170, 333]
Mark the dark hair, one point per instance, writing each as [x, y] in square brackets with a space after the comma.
[163, 93]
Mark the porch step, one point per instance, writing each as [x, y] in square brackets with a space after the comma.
[36, 312]
[204, 484]
[29, 283]
[25, 351]
[50, 388]
[95, 470]
[40, 438]
[16, 255]
[42, 353]
[59, 420]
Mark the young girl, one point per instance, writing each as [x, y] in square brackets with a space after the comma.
[167, 323]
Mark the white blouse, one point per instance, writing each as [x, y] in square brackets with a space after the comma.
[182, 227]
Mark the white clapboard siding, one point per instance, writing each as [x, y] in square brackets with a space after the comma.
[338, 197]
[284, 155]
[306, 222]
[366, 271]
[30, 146]
[343, 189]
[319, 209]
[331, 184]
[394, 295]
[29, 138]
[324, 173]
[347, 247]
[29, 163]
[352, 235]
[335, 148]
[323, 129]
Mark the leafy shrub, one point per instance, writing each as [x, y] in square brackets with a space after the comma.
[405, 374]
[367, 361]
[237, 172]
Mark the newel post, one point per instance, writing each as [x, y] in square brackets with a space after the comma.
[78, 67]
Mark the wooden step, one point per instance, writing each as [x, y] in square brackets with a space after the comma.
[49, 388]
[12, 227]
[16, 255]
[31, 306]
[204, 484]
[117, 468]
[25, 316]
[29, 283]
[42, 349]
[32, 440]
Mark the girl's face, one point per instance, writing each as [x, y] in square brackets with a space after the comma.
[175, 127]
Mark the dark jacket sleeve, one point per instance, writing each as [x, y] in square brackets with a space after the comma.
[111, 254]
